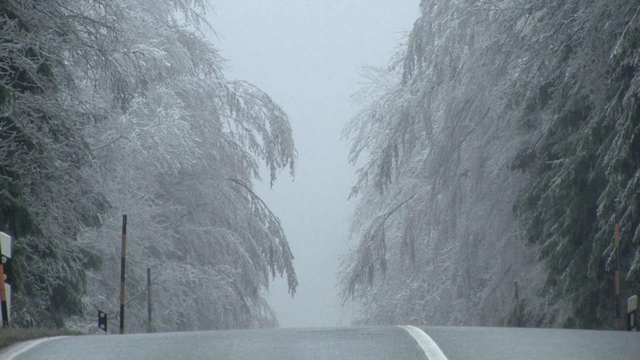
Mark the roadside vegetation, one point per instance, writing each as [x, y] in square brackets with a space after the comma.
[502, 144]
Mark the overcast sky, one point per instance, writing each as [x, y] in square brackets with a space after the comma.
[307, 54]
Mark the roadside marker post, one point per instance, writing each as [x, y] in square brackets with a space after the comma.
[3, 299]
[5, 279]
[149, 305]
[632, 313]
[517, 294]
[616, 242]
[122, 270]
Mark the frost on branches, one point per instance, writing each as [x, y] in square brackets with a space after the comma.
[140, 120]
[491, 151]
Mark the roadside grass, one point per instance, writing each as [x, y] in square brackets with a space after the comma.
[11, 336]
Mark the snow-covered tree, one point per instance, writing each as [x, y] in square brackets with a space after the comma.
[166, 139]
[584, 155]
[471, 170]
[180, 160]
[46, 196]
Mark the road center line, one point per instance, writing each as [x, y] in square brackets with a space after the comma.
[426, 343]
[24, 347]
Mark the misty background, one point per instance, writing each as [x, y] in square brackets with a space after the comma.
[308, 56]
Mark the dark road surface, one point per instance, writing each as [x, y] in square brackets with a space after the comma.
[433, 343]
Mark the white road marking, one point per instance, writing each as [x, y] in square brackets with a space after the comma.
[429, 347]
[21, 348]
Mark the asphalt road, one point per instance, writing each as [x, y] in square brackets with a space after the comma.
[432, 343]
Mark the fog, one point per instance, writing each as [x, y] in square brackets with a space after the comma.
[307, 55]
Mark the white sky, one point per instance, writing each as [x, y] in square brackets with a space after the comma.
[307, 55]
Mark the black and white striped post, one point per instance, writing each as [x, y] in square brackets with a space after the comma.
[122, 269]
[149, 304]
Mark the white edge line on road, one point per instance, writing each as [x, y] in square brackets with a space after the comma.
[21, 348]
[426, 343]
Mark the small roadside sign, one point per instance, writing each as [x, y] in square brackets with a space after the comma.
[102, 320]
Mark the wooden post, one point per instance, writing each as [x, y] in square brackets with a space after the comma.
[149, 305]
[122, 271]
[515, 283]
[616, 239]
